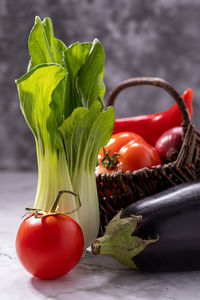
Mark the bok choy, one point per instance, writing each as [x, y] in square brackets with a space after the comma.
[61, 97]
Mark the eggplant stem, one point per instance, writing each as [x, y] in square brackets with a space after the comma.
[120, 242]
[96, 246]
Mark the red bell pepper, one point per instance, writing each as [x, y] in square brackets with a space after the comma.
[151, 126]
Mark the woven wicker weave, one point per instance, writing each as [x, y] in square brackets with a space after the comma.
[117, 190]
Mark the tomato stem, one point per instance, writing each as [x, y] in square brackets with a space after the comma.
[31, 210]
[109, 161]
[58, 199]
[53, 211]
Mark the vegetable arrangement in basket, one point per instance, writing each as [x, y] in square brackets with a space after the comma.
[159, 232]
[117, 190]
[128, 151]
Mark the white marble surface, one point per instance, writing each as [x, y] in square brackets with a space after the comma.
[99, 278]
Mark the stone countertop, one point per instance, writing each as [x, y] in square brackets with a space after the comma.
[99, 278]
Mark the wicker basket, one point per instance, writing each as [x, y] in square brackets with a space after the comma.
[117, 190]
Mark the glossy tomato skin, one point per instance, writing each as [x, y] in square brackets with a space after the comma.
[118, 140]
[49, 247]
[102, 170]
[136, 155]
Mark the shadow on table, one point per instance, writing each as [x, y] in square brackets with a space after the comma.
[104, 278]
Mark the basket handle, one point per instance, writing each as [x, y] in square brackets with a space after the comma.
[156, 82]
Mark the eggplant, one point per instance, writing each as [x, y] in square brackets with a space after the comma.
[163, 232]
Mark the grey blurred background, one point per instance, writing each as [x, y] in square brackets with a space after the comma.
[141, 38]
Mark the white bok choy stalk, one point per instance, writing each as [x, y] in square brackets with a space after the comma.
[61, 99]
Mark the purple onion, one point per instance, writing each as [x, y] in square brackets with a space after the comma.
[169, 144]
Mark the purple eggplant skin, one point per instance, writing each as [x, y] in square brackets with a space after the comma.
[174, 217]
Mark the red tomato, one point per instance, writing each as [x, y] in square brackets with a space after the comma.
[100, 169]
[118, 140]
[49, 247]
[136, 155]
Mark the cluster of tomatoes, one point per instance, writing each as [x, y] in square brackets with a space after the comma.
[127, 151]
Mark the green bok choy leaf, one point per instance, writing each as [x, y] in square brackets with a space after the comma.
[61, 99]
